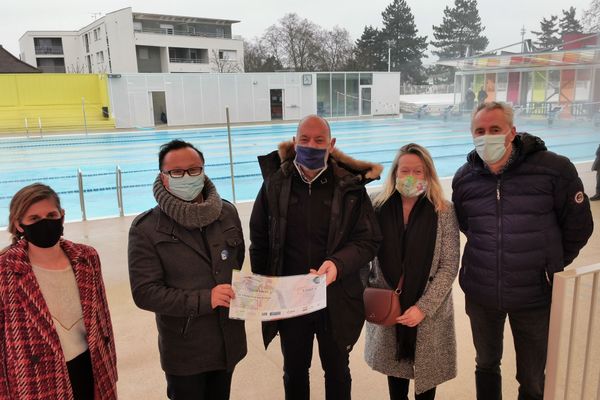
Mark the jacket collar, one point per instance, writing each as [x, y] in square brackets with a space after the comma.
[345, 167]
[17, 258]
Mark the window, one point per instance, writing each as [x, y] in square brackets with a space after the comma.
[167, 29]
[143, 53]
[366, 79]
[100, 57]
[227, 54]
[86, 42]
[137, 26]
[96, 34]
[220, 32]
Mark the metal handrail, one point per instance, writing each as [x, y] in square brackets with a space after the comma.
[176, 32]
[188, 60]
[81, 197]
[119, 177]
[48, 50]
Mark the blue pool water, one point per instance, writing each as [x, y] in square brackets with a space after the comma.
[54, 160]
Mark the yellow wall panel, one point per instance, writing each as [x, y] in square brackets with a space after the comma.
[55, 100]
[9, 96]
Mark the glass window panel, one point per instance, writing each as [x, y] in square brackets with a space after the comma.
[352, 94]
[338, 95]
[323, 95]
[366, 79]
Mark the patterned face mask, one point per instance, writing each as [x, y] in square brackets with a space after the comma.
[409, 186]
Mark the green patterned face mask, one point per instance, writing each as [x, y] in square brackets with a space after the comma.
[490, 148]
[409, 186]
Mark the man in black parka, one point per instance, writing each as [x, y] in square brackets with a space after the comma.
[313, 214]
[525, 216]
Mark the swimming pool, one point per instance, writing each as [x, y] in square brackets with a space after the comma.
[54, 160]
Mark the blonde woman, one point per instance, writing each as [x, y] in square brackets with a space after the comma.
[56, 338]
[421, 243]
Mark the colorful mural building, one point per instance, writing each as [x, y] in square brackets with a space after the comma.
[535, 82]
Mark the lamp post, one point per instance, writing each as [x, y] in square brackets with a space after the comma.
[389, 43]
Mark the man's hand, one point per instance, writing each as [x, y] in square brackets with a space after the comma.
[411, 317]
[329, 269]
[221, 295]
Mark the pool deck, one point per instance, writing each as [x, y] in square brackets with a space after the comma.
[259, 375]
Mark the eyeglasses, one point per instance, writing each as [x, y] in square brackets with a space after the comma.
[179, 173]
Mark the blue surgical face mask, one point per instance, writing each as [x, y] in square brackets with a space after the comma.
[491, 148]
[310, 157]
[187, 187]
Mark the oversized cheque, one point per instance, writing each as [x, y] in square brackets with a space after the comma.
[267, 297]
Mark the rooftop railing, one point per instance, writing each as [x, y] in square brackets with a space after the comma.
[177, 32]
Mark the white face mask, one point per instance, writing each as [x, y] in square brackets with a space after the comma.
[491, 148]
[409, 186]
[187, 187]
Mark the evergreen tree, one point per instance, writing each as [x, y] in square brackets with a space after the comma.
[407, 49]
[547, 37]
[569, 23]
[460, 29]
[369, 51]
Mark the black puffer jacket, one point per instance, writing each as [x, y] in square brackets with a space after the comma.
[353, 238]
[522, 225]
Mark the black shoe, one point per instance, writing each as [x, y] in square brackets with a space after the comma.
[595, 197]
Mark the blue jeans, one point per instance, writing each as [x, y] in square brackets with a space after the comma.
[530, 335]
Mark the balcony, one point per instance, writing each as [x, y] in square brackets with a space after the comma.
[176, 32]
[188, 60]
[49, 50]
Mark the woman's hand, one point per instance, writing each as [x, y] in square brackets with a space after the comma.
[411, 317]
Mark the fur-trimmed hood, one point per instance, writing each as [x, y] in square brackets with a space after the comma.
[283, 157]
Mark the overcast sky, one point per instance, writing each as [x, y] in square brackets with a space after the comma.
[503, 19]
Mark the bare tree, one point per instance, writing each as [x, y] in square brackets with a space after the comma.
[335, 49]
[293, 41]
[591, 17]
[222, 64]
[258, 59]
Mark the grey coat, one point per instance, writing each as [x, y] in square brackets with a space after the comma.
[435, 353]
[172, 274]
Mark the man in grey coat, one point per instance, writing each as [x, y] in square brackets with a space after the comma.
[181, 256]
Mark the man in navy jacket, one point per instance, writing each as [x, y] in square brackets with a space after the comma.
[525, 216]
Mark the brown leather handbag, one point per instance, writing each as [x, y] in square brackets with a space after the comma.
[382, 306]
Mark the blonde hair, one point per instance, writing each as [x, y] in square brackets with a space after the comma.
[434, 192]
[24, 199]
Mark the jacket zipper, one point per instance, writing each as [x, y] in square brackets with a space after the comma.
[499, 248]
[309, 225]
[186, 326]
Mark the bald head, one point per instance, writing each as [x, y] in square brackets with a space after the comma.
[313, 131]
[313, 123]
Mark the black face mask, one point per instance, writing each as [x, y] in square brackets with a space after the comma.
[44, 233]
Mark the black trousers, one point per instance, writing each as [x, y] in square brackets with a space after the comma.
[399, 390]
[297, 335]
[81, 376]
[211, 385]
[530, 335]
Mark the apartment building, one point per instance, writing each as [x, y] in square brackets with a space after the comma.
[124, 41]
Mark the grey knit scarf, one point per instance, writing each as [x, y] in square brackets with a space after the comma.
[190, 215]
